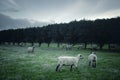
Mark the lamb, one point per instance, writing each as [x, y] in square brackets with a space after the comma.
[92, 60]
[68, 61]
[30, 49]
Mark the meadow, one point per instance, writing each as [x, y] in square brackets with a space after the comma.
[17, 64]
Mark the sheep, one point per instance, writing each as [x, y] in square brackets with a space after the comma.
[68, 61]
[63, 45]
[92, 60]
[68, 46]
[21, 44]
[80, 46]
[30, 49]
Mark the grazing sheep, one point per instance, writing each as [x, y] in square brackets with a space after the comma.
[68, 61]
[21, 44]
[68, 46]
[92, 60]
[30, 49]
[63, 45]
[80, 46]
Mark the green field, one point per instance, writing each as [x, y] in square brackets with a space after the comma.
[17, 64]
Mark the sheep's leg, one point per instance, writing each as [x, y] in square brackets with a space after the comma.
[57, 67]
[94, 64]
[71, 67]
[60, 67]
[76, 67]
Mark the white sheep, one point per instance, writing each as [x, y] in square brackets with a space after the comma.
[80, 46]
[63, 45]
[68, 61]
[30, 49]
[69, 46]
[92, 59]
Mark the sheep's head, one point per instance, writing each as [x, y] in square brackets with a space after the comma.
[93, 53]
[80, 56]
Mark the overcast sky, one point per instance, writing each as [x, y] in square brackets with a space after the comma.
[25, 13]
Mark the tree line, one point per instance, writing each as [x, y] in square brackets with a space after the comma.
[99, 31]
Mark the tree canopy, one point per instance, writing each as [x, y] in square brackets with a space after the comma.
[100, 31]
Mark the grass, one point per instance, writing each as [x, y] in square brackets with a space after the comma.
[17, 64]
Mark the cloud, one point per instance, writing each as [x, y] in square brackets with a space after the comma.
[58, 11]
[90, 9]
[7, 22]
[107, 14]
[13, 2]
[8, 6]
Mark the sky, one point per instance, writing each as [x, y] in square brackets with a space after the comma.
[26, 13]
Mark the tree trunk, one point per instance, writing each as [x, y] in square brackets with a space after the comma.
[58, 45]
[39, 44]
[48, 44]
[13, 43]
[24, 44]
[8, 43]
[32, 44]
[85, 45]
[101, 46]
[109, 47]
[18, 43]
